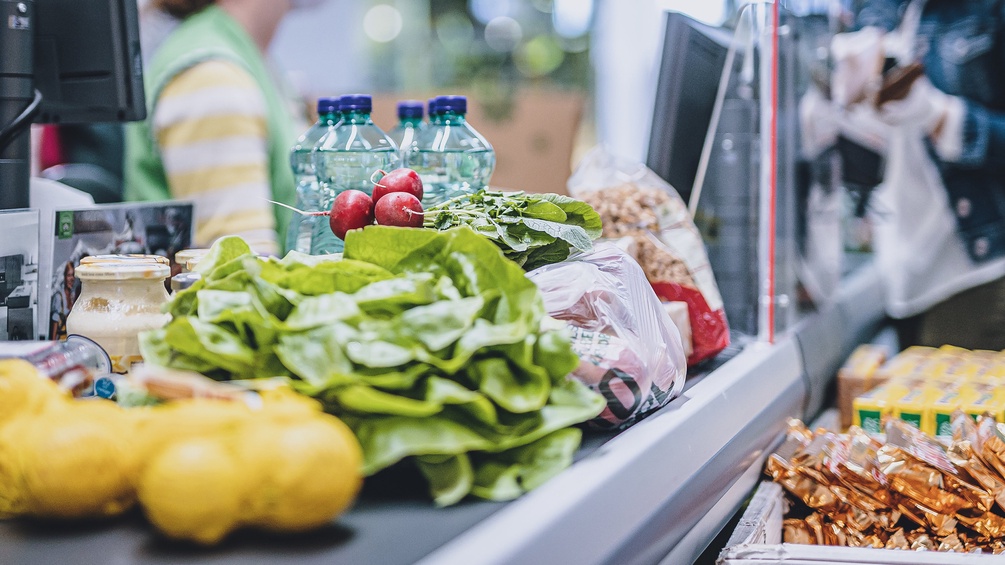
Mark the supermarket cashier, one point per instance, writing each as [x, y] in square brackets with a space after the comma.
[219, 125]
[961, 103]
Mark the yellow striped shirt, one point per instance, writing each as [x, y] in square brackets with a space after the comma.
[210, 124]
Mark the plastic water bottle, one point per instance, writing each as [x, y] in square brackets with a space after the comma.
[347, 157]
[451, 157]
[301, 229]
[409, 125]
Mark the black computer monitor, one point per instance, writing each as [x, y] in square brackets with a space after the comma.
[88, 65]
[63, 61]
[693, 57]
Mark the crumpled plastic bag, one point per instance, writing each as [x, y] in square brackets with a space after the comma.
[634, 202]
[629, 350]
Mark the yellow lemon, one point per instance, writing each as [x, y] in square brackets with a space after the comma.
[76, 461]
[314, 474]
[194, 490]
[23, 391]
[12, 494]
[159, 426]
[283, 404]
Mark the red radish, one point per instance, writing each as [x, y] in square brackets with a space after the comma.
[399, 209]
[351, 210]
[398, 180]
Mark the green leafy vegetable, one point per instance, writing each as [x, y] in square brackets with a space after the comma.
[450, 477]
[431, 345]
[531, 229]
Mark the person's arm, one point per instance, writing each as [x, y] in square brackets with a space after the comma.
[884, 14]
[981, 133]
[210, 124]
[55, 313]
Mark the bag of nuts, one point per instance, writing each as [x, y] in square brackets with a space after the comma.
[636, 203]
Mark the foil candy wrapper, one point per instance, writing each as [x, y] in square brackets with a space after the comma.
[898, 541]
[795, 530]
[797, 436]
[991, 444]
[863, 493]
[921, 541]
[952, 542]
[965, 453]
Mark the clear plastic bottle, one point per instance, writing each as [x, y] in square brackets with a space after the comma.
[347, 157]
[451, 157]
[409, 125]
[299, 235]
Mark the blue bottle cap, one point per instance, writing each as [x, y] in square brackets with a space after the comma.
[327, 105]
[455, 104]
[433, 110]
[357, 102]
[410, 109]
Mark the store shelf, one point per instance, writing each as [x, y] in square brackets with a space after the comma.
[656, 493]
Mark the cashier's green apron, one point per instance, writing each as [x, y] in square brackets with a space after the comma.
[210, 34]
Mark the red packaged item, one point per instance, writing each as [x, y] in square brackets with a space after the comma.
[637, 205]
[629, 350]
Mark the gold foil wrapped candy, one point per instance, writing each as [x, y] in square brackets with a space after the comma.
[909, 493]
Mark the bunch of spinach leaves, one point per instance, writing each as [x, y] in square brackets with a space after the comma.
[532, 229]
[430, 345]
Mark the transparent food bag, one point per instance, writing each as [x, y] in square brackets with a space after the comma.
[636, 203]
[629, 350]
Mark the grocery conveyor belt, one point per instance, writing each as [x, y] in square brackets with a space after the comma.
[656, 493]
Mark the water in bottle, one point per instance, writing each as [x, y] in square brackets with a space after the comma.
[300, 233]
[409, 125]
[451, 157]
[348, 156]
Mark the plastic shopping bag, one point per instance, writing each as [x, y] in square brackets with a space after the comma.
[630, 351]
[920, 256]
[635, 202]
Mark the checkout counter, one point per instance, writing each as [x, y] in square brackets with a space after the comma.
[659, 492]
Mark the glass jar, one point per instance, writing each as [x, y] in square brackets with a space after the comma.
[184, 281]
[118, 300]
[189, 258]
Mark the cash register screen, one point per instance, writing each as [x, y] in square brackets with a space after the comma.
[692, 60]
[87, 61]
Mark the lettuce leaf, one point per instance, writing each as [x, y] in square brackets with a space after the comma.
[431, 345]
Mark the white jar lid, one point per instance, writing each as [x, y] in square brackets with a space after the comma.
[112, 270]
[185, 255]
[92, 259]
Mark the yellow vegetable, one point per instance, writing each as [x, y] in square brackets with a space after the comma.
[194, 490]
[23, 391]
[200, 467]
[161, 425]
[73, 461]
[308, 472]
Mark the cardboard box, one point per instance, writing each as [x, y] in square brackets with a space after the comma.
[533, 137]
[859, 374]
[757, 540]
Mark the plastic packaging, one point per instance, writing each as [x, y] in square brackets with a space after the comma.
[635, 202]
[409, 126]
[56, 358]
[300, 233]
[630, 351]
[451, 157]
[346, 159]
